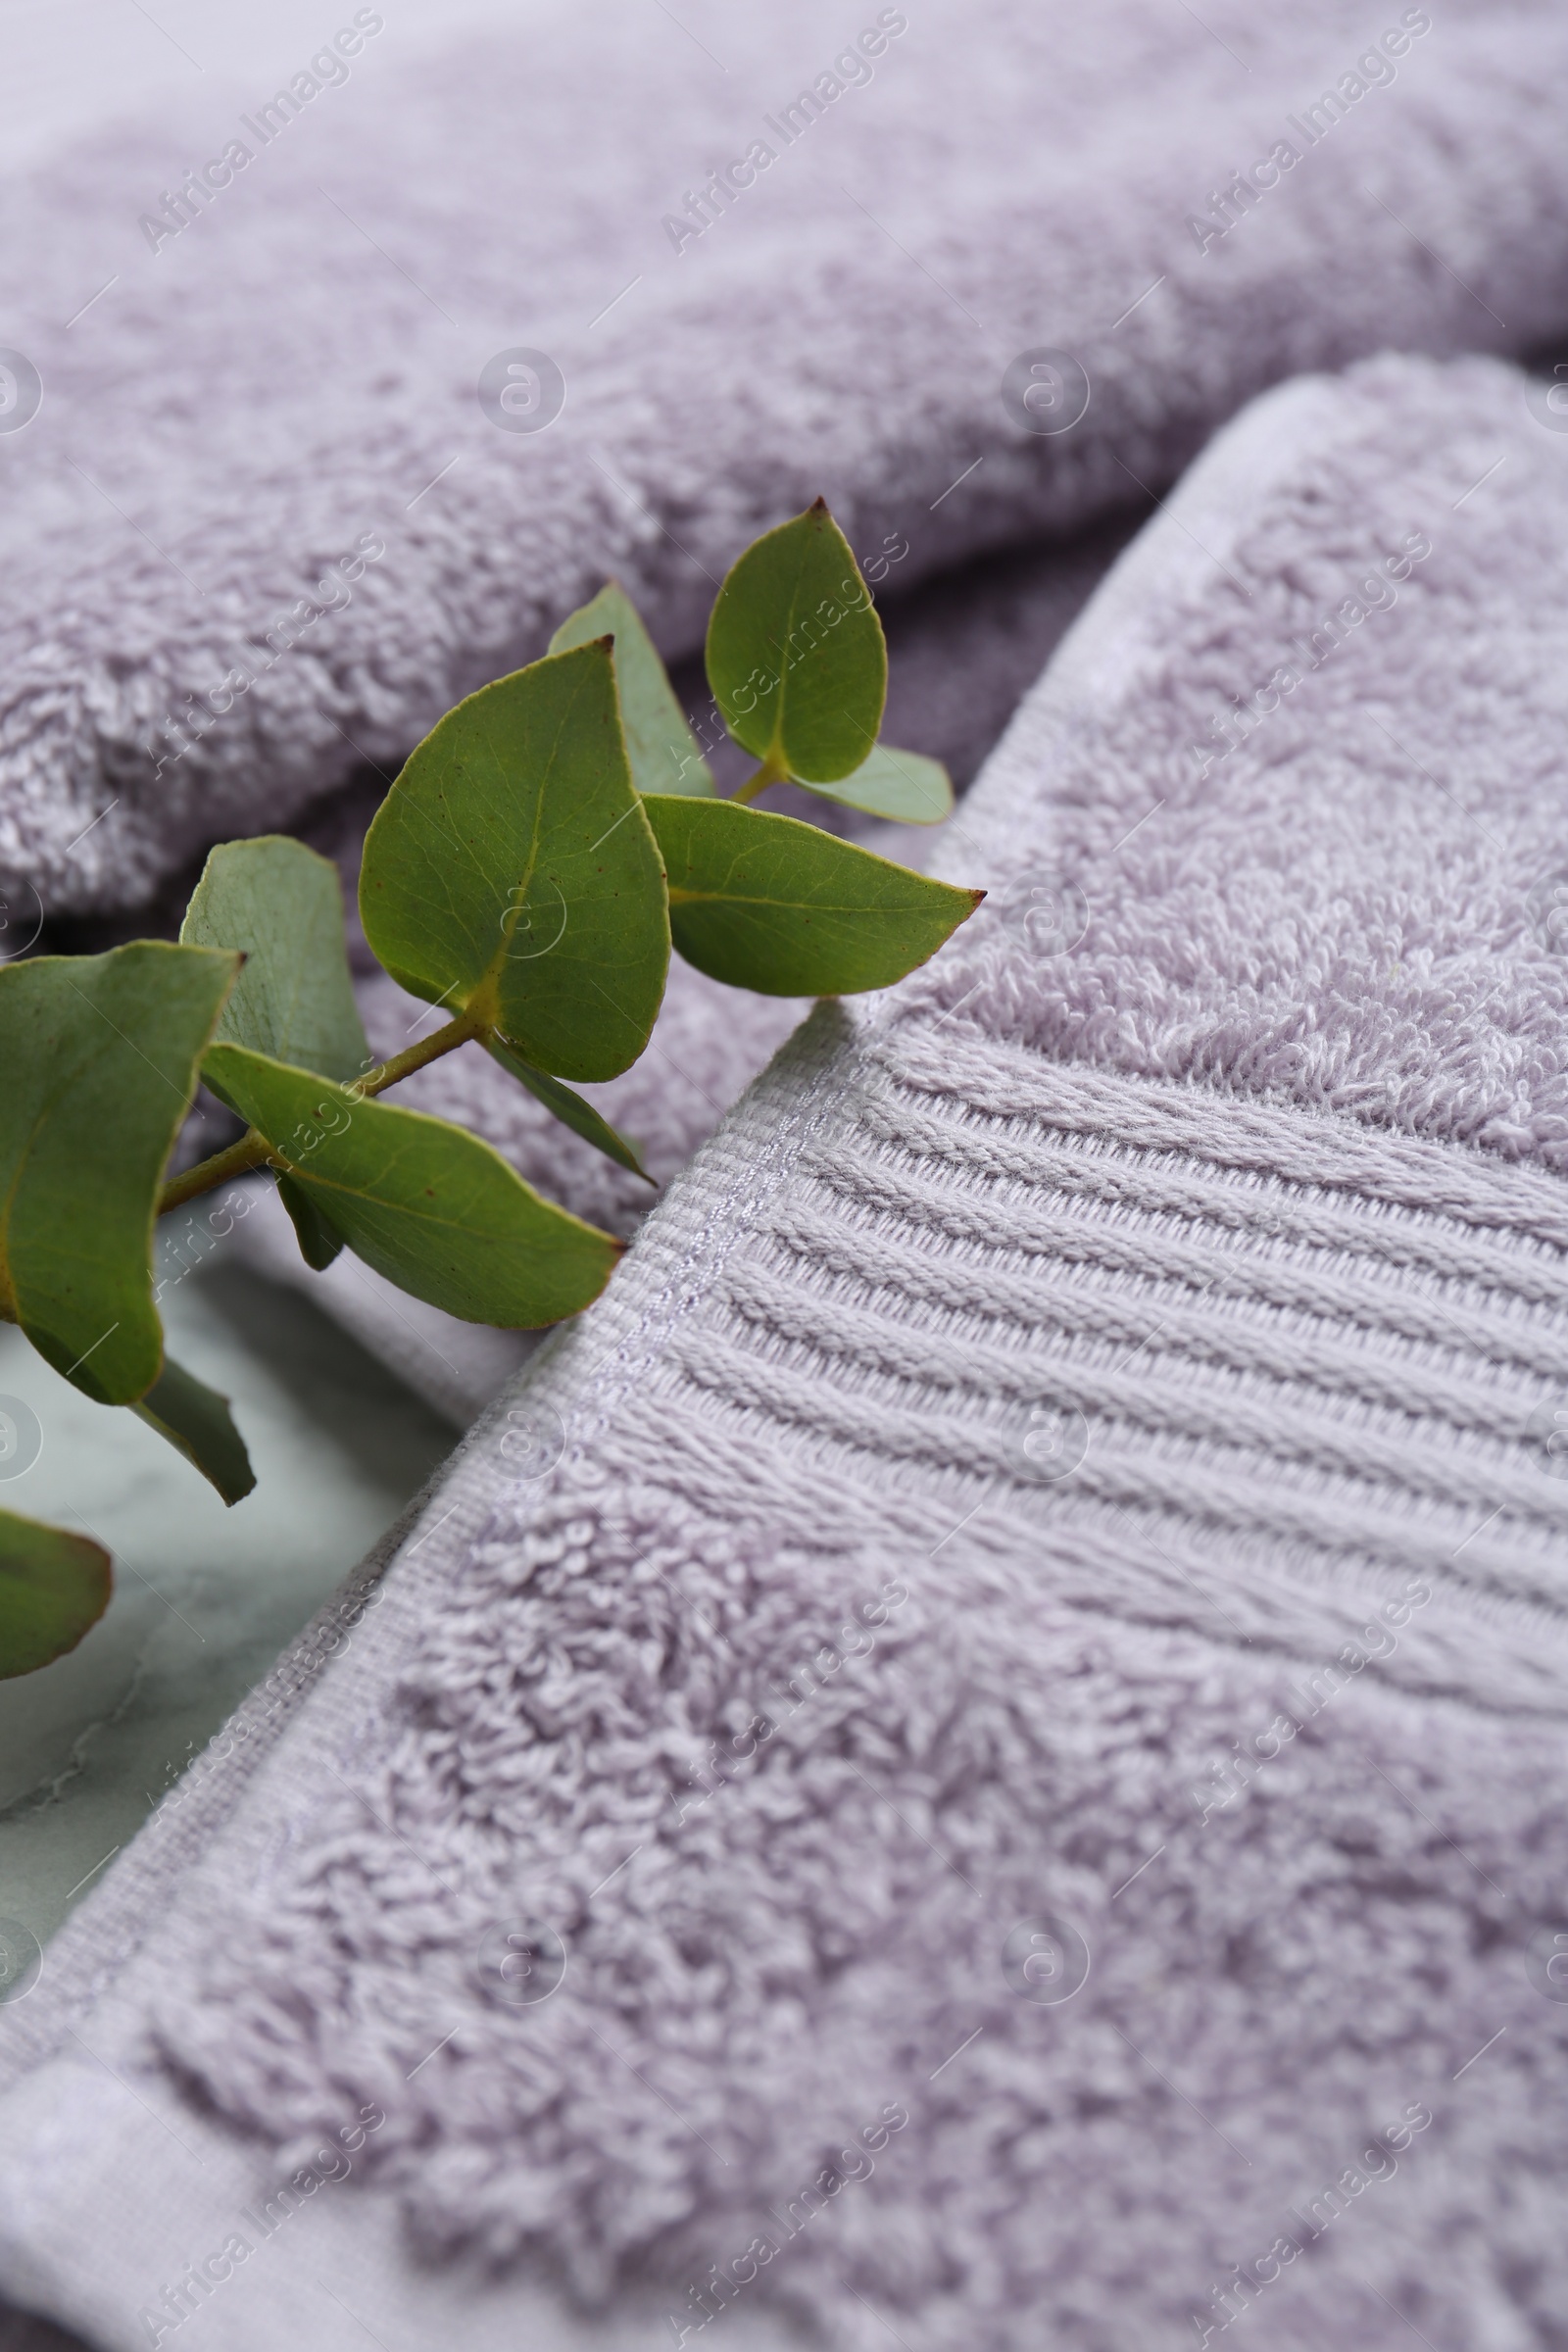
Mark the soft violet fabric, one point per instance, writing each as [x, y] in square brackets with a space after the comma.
[262, 529]
[1007, 1685]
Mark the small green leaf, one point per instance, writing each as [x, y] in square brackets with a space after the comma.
[901, 785]
[319, 1239]
[53, 1586]
[197, 1421]
[571, 1110]
[282, 907]
[796, 656]
[510, 871]
[100, 1060]
[661, 745]
[429, 1206]
[763, 902]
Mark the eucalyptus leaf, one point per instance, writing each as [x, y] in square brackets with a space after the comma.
[319, 1239]
[512, 873]
[796, 656]
[766, 902]
[571, 1110]
[53, 1587]
[659, 743]
[101, 1054]
[904, 786]
[426, 1205]
[197, 1421]
[282, 907]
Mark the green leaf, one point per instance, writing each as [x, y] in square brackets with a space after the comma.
[53, 1586]
[795, 652]
[763, 902]
[100, 1055]
[429, 1206]
[571, 1110]
[661, 745]
[282, 907]
[319, 1239]
[197, 1421]
[510, 871]
[901, 785]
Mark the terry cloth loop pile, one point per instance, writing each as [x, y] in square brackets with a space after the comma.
[271, 518]
[1020, 1742]
[267, 521]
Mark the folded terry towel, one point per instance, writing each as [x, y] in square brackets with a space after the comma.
[272, 516]
[977, 1754]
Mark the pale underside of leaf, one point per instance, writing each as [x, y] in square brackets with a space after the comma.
[905, 787]
[281, 905]
[659, 743]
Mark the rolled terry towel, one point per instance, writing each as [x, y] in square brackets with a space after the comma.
[977, 1754]
[333, 400]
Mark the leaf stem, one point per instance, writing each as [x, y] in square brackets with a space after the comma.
[771, 773]
[458, 1032]
[253, 1149]
[237, 1161]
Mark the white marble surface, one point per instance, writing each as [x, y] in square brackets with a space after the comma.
[205, 1597]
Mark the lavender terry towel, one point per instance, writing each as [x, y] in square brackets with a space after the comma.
[272, 500]
[282, 480]
[977, 1754]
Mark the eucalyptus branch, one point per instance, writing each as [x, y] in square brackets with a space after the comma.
[571, 797]
[253, 1151]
